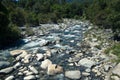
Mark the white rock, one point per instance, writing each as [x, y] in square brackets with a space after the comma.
[115, 78]
[48, 53]
[33, 69]
[39, 56]
[6, 70]
[116, 70]
[45, 63]
[18, 64]
[30, 77]
[22, 55]
[86, 62]
[54, 69]
[17, 52]
[10, 78]
[85, 73]
[26, 58]
[73, 74]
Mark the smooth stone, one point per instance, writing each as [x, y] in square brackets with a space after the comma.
[30, 77]
[54, 69]
[17, 52]
[10, 78]
[48, 53]
[39, 56]
[18, 64]
[86, 63]
[116, 70]
[26, 58]
[22, 55]
[85, 74]
[45, 63]
[6, 70]
[33, 69]
[115, 78]
[4, 64]
[73, 74]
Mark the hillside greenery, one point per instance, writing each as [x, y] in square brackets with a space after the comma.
[18, 13]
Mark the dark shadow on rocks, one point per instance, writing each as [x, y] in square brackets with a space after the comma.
[15, 44]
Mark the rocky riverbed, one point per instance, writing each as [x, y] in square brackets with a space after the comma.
[72, 50]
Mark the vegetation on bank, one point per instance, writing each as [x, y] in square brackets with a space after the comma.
[14, 13]
[115, 49]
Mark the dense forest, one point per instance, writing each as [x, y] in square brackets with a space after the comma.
[30, 13]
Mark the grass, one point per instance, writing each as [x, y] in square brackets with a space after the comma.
[115, 49]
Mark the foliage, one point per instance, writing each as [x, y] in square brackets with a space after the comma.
[115, 49]
[9, 33]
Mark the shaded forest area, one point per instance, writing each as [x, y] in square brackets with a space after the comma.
[31, 13]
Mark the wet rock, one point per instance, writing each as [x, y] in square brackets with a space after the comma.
[39, 57]
[30, 77]
[33, 69]
[43, 42]
[4, 64]
[54, 69]
[75, 74]
[10, 78]
[86, 63]
[116, 70]
[31, 45]
[6, 70]
[45, 63]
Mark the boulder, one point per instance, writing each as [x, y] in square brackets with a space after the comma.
[73, 74]
[116, 70]
[18, 64]
[39, 56]
[115, 78]
[54, 69]
[33, 69]
[45, 63]
[10, 78]
[26, 58]
[6, 70]
[86, 63]
[17, 52]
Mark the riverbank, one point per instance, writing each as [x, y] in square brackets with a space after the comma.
[70, 50]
